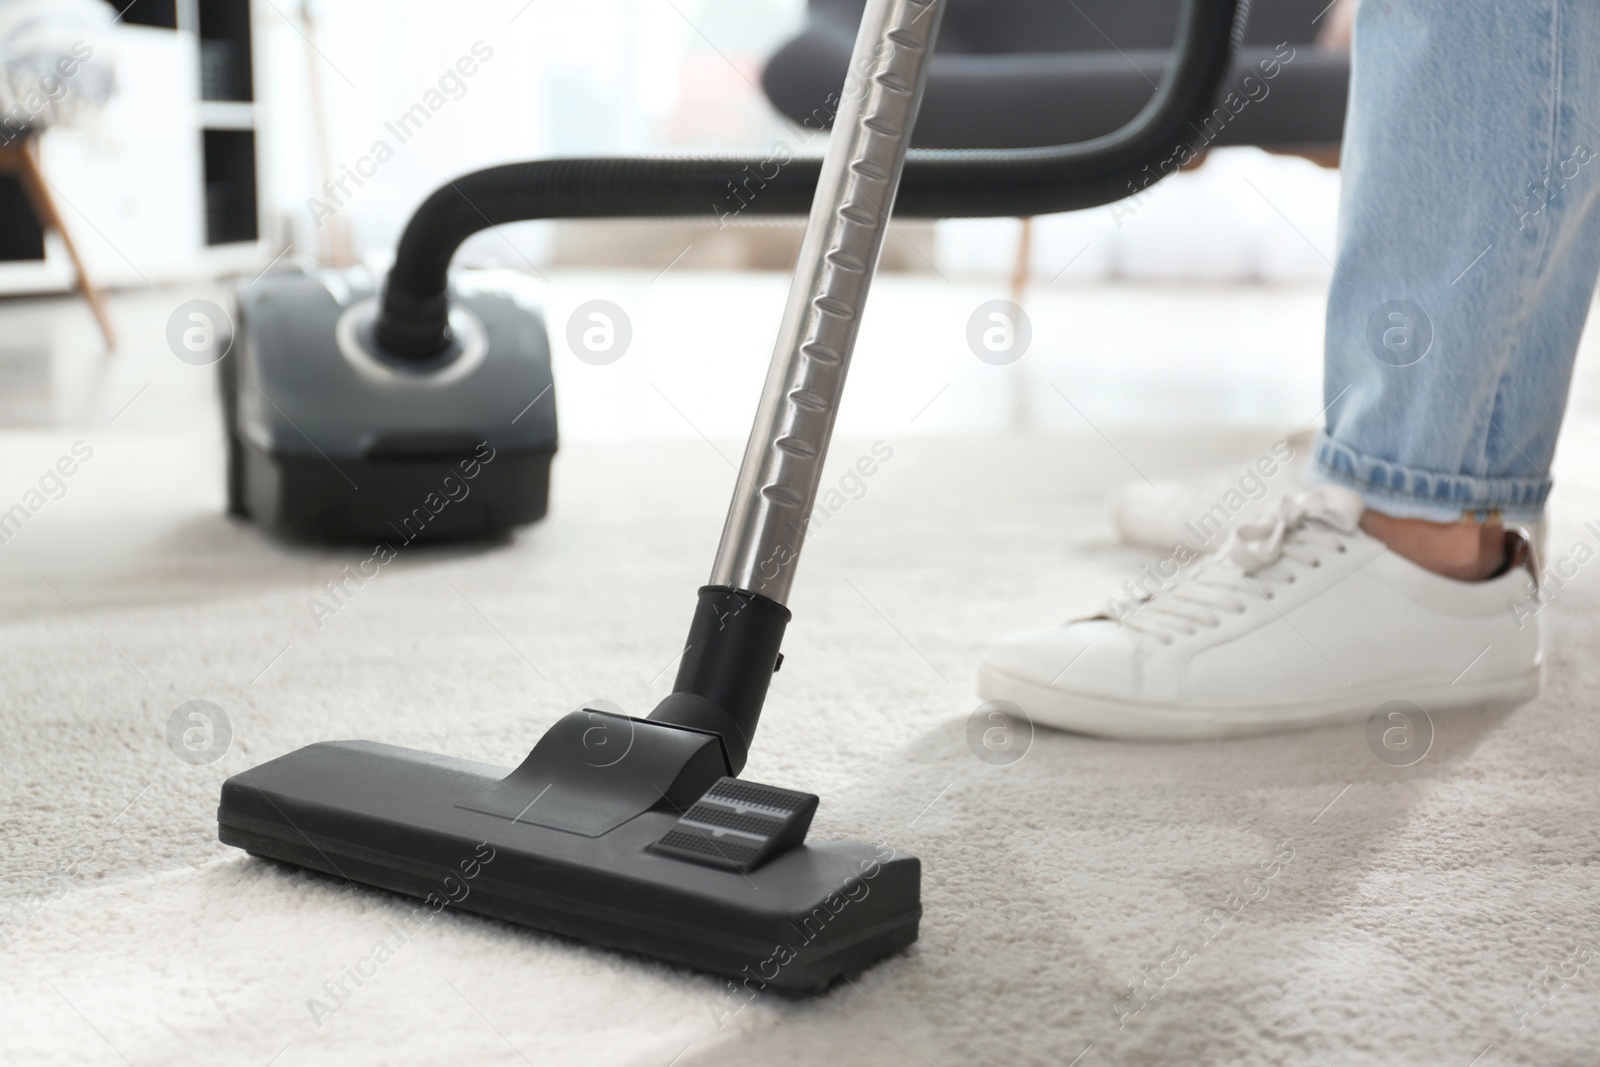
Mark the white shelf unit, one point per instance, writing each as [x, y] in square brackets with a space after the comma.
[166, 184]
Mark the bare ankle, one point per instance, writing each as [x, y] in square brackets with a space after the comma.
[1468, 551]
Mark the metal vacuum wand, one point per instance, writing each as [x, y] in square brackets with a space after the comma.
[739, 620]
[782, 466]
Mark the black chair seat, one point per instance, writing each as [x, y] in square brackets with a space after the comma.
[1029, 73]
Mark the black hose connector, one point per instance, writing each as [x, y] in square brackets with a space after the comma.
[414, 322]
[727, 664]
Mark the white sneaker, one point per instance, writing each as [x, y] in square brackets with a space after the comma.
[1301, 619]
[1199, 512]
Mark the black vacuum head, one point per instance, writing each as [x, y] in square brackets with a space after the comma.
[622, 832]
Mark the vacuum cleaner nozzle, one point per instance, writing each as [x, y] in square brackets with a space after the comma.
[622, 832]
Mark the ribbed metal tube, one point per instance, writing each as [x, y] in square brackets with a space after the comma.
[849, 217]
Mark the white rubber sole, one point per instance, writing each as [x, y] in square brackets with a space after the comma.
[1140, 721]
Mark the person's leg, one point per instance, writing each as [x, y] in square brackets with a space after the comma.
[1470, 241]
[1469, 248]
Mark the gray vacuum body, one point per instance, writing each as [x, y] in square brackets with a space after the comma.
[328, 441]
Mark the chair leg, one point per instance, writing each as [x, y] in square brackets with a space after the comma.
[1022, 269]
[44, 205]
[1021, 413]
[1326, 156]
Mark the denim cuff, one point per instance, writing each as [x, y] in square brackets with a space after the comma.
[1435, 496]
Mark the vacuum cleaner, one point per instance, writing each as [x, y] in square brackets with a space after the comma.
[332, 439]
[637, 833]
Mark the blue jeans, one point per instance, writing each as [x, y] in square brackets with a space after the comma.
[1469, 243]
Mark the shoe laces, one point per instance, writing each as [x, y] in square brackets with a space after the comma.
[1265, 550]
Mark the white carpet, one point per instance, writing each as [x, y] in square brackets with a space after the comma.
[1409, 916]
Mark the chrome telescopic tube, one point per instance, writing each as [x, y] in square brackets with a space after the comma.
[782, 465]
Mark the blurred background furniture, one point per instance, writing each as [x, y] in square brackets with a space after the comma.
[47, 81]
[162, 183]
[1026, 73]
[19, 159]
[1031, 73]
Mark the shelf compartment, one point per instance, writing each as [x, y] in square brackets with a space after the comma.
[230, 171]
[162, 14]
[225, 67]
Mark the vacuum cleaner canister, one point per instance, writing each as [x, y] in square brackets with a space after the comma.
[330, 440]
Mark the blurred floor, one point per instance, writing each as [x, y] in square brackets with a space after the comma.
[1186, 357]
[1110, 354]
[1101, 355]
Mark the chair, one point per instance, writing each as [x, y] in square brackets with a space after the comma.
[19, 157]
[1027, 73]
[1030, 73]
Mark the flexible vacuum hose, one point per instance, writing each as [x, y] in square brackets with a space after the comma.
[414, 323]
